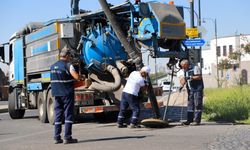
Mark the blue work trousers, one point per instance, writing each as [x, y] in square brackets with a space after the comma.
[64, 106]
[194, 108]
[132, 101]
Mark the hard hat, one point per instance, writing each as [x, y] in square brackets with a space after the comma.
[146, 69]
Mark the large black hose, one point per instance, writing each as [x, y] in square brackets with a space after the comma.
[133, 54]
[107, 86]
[29, 28]
[136, 57]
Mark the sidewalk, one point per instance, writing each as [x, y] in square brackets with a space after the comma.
[176, 99]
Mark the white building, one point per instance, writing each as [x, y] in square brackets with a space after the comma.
[225, 46]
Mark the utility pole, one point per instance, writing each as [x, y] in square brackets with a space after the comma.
[192, 50]
[217, 61]
[191, 13]
[199, 5]
[216, 50]
[200, 35]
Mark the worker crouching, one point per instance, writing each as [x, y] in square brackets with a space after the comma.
[136, 82]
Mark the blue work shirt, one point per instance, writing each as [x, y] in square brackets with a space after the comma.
[194, 85]
[62, 83]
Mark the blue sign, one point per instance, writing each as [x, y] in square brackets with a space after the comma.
[228, 76]
[194, 42]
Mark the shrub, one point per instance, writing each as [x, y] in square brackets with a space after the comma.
[227, 104]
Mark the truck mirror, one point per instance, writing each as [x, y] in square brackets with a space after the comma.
[2, 53]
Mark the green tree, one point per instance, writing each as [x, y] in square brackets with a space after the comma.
[224, 64]
[236, 57]
[238, 53]
[247, 48]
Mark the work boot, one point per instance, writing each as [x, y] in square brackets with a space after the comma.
[58, 141]
[71, 140]
[186, 123]
[134, 126]
[121, 125]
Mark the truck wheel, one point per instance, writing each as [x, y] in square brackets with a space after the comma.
[42, 108]
[50, 108]
[14, 113]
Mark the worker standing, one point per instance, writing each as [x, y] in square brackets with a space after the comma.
[63, 76]
[135, 82]
[194, 84]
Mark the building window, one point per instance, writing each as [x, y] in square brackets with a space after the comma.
[218, 51]
[224, 50]
[230, 49]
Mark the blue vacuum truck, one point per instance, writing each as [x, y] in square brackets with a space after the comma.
[106, 46]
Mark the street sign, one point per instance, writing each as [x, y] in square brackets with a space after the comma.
[228, 75]
[194, 42]
[192, 32]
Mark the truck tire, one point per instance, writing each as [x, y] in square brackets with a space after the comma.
[50, 108]
[14, 113]
[42, 108]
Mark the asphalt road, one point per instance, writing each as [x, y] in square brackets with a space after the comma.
[30, 134]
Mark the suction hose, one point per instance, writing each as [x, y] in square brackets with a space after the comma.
[107, 86]
[136, 57]
[29, 28]
[133, 54]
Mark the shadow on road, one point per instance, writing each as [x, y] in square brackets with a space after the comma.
[113, 138]
[30, 117]
[6, 134]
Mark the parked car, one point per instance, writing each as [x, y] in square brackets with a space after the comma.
[165, 85]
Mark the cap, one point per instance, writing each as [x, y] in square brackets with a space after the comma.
[146, 69]
[65, 51]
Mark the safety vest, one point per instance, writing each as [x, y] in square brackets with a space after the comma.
[62, 83]
[193, 85]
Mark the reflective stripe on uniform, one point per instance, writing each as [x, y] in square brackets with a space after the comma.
[56, 71]
[62, 81]
[120, 117]
[134, 117]
[198, 110]
[57, 123]
[68, 121]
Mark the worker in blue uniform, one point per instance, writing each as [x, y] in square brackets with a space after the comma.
[136, 82]
[194, 84]
[63, 76]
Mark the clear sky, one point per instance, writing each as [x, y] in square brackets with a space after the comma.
[232, 15]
